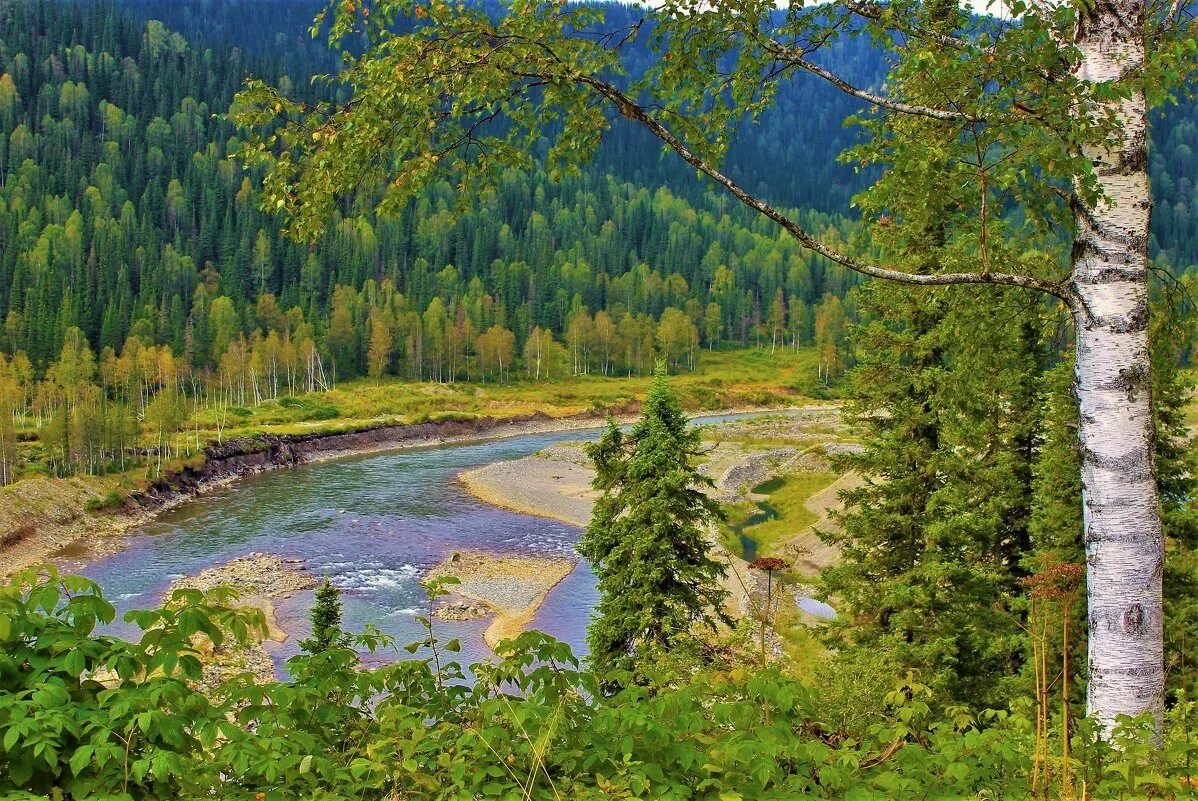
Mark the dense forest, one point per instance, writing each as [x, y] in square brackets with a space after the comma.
[136, 257]
[806, 126]
[140, 278]
[148, 294]
[123, 216]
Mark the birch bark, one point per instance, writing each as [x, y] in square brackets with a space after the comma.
[1121, 513]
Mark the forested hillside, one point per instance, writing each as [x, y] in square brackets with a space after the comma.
[912, 590]
[122, 215]
[804, 128]
[131, 242]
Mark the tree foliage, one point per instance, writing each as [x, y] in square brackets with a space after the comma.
[934, 539]
[326, 620]
[649, 538]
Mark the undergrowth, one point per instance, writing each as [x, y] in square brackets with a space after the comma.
[86, 715]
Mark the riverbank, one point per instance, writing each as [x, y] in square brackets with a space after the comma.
[45, 519]
[513, 586]
[259, 580]
[555, 484]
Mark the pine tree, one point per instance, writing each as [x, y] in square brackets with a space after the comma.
[933, 540]
[1177, 481]
[326, 620]
[648, 538]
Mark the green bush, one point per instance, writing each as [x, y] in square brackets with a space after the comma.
[322, 411]
[814, 387]
[109, 500]
[309, 409]
[86, 715]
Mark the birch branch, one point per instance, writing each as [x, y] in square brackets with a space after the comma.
[638, 114]
[790, 56]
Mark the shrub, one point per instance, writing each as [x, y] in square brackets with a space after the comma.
[323, 411]
[108, 500]
[86, 715]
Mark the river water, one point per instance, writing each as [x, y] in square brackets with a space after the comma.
[374, 524]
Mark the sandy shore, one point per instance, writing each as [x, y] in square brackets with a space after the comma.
[514, 586]
[555, 484]
[259, 579]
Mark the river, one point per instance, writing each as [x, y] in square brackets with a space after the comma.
[374, 524]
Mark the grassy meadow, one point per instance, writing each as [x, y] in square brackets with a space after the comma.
[723, 379]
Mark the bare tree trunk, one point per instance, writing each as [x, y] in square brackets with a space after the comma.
[1121, 513]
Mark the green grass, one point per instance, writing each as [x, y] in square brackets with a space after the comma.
[724, 379]
[788, 496]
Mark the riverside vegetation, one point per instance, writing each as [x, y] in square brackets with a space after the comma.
[1002, 155]
[146, 301]
[85, 715]
[40, 513]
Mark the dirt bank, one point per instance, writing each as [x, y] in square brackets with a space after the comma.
[514, 586]
[41, 517]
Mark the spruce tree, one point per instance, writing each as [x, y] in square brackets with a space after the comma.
[648, 538]
[1177, 481]
[326, 620]
[933, 539]
[1056, 524]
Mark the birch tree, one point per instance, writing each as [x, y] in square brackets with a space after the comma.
[1059, 89]
[1121, 512]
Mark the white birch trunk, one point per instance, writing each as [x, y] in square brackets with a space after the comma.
[1121, 513]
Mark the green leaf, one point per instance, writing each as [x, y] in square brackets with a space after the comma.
[75, 663]
[81, 759]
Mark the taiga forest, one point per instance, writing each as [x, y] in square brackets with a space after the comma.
[706, 399]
